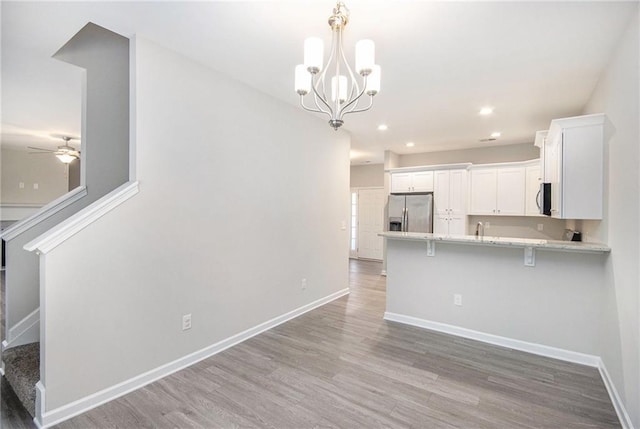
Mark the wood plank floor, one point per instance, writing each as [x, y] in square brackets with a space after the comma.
[343, 366]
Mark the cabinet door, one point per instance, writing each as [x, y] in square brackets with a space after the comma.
[458, 192]
[532, 188]
[441, 192]
[401, 182]
[483, 192]
[510, 191]
[458, 225]
[422, 181]
[441, 224]
[553, 169]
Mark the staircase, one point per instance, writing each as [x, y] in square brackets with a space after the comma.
[22, 372]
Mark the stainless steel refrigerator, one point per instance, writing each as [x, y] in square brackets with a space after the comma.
[411, 212]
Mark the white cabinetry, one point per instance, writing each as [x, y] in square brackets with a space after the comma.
[574, 166]
[417, 181]
[532, 190]
[450, 202]
[497, 191]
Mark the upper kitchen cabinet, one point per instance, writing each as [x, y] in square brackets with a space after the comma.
[497, 190]
[573, 164]
[450, 201]
[533, 179]
[415, 181]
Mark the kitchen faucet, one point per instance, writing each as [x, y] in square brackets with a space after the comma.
[480, 230]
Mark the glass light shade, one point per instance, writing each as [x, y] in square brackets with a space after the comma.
[66, 158]
[339, 86]
[365, 56]
[303, 80]
[313, 54]
[373, 81]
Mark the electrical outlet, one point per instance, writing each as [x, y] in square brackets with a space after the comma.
[457, 299]
[186, 322]
[21, 185]
[343, 225]
[540, 227]
[487, 225]
[35, 186]
[303, 284]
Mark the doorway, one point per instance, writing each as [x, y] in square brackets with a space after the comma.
[367, 218]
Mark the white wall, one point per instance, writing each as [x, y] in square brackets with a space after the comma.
[617, 95]
[226, 236]
[367, 176]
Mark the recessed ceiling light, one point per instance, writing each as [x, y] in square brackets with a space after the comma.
[496, 134]
[410, 144]
[382, 127]
[486, 110]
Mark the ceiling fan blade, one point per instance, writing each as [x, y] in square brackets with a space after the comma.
[39, 148]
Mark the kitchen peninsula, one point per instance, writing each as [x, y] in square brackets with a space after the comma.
[540, 296]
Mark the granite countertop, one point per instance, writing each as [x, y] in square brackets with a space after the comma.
[566, 246]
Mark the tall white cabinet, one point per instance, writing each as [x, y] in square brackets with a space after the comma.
[450, 202]
[574, 165]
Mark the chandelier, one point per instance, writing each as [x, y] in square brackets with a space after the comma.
[336, 78]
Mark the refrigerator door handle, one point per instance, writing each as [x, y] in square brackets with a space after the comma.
[406, 223]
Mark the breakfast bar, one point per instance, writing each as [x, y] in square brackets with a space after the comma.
[542, 296]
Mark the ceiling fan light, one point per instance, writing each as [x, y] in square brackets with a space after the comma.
[65, 158]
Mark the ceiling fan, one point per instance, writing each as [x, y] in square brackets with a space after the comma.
[64, 153]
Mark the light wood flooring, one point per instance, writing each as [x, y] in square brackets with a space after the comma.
[343, 366]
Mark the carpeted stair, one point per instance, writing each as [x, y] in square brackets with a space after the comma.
[22, 371]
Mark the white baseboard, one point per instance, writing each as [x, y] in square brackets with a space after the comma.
[537, 349]
[25, 331]
[45, 419]
[621, 411]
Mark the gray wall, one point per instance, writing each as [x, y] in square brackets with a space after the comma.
[105, 151]
[617, 96]
[481, 155]
[557, 303]
[44, 169]
[367, 176]
[227, 236]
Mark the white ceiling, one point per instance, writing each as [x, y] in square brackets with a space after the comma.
[441, 61]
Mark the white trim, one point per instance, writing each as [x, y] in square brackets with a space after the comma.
[44, 213]
[618, 405]
[40, 401]
[429, 167]
[27, 330]
[537, 349]
[53, 417]
[59, 233]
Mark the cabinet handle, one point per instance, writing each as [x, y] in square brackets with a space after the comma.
[498, 211]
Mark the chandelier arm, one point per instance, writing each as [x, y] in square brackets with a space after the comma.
[320, 109]
[315, 92]
[355, 100]
[363, 109]
[311, 109]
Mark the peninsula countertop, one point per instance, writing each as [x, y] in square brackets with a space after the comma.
[557, 245]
